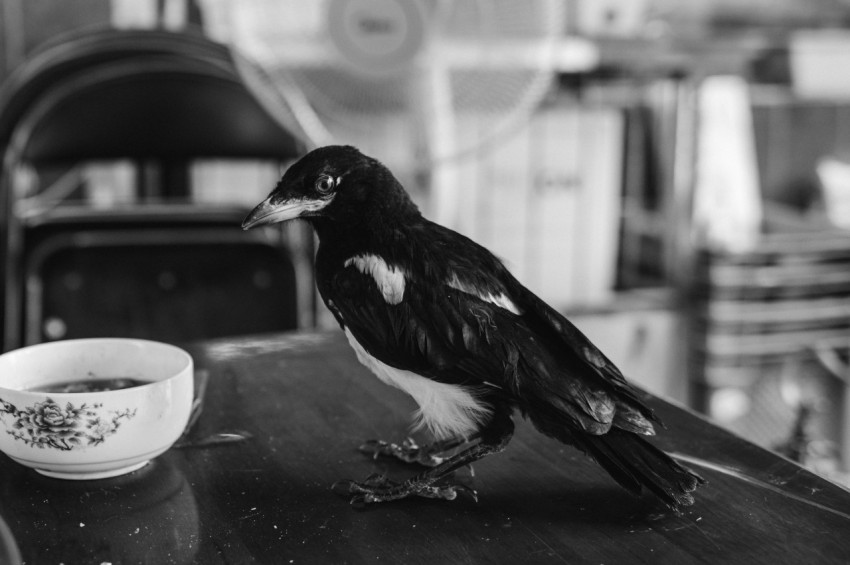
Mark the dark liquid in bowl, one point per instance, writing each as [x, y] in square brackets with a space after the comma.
[91, 385]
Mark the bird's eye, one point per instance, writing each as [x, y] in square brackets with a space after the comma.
[324, 184]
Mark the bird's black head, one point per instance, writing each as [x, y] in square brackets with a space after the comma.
[333, 185]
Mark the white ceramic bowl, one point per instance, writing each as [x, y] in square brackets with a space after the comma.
[93, 435]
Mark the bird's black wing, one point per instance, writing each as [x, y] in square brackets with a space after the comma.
[583, 357]
[463, 319]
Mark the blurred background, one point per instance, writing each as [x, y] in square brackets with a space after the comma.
[674, 176]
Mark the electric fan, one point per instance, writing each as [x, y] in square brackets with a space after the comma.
[420, 81]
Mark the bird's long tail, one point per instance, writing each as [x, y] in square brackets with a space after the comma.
[637, 464]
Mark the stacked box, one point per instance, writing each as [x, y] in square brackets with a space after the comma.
[763, 320]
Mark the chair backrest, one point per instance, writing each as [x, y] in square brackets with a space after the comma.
[170, 285]
[86, 52]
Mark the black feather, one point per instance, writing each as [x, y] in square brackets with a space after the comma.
[635, 463]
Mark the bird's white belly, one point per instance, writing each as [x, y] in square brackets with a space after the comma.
[448, 411]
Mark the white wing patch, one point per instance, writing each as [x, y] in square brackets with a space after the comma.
[501, 300]
[390, 280]
[448, 411]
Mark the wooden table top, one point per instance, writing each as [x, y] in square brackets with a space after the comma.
[308, 404]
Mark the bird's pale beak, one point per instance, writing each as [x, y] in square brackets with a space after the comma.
[267, 212]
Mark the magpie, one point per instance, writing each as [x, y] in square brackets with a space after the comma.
[435, 314]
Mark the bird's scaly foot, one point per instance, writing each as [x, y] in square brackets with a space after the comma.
[378, 488]
[411, 452]
[434, 481]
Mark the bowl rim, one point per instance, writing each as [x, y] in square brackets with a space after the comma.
[187, 359]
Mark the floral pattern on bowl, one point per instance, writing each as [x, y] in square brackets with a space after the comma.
[49, 425]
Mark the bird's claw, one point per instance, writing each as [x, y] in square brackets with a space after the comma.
[450, 492]
[409, 452]
[379, 488]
